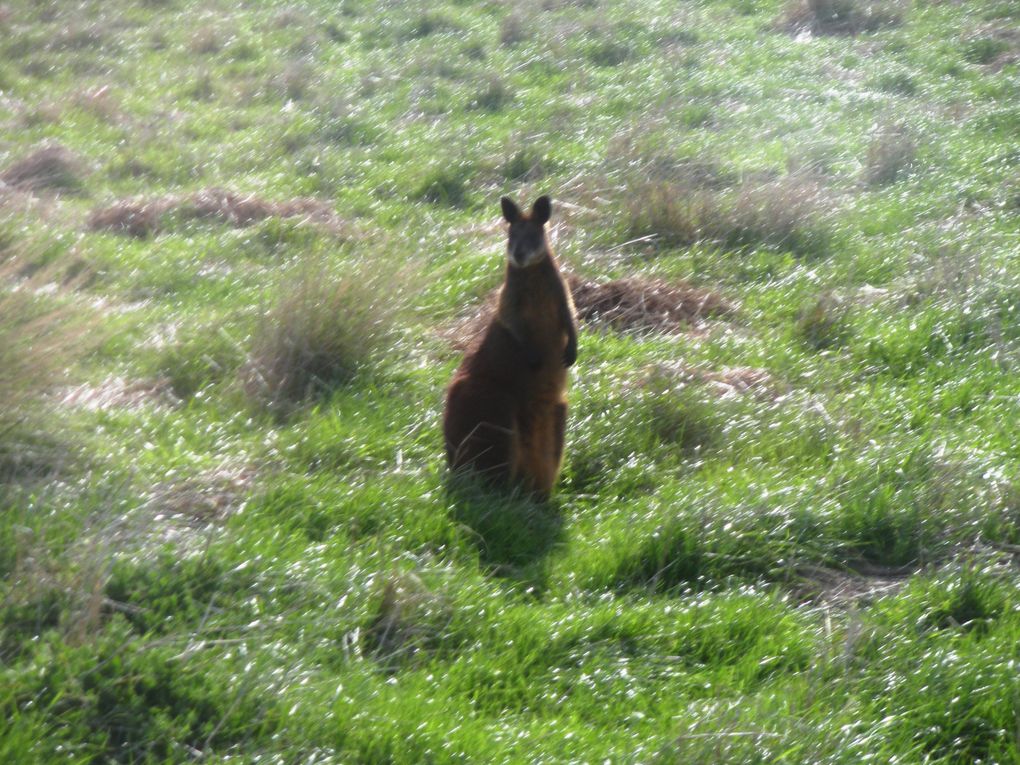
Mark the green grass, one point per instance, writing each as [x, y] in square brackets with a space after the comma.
[785, 535]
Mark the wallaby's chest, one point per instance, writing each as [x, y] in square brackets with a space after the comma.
[535, 299]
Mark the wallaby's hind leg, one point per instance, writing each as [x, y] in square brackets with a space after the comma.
[560, 431]
[480, 435]
[541, 446]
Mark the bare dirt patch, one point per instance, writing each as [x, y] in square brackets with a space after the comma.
[49, 168]
[144, 217]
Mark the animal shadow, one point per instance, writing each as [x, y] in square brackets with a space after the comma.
[513, 531]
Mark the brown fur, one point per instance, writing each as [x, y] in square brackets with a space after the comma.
[506, 408]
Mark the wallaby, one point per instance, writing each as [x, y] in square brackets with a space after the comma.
[506, 408]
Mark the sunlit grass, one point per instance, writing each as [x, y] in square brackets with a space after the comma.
[786, 525]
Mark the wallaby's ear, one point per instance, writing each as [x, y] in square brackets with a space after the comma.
[510, 211]
[541, 210]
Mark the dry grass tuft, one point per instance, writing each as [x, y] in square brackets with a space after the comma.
[322, 330]
[840, 17]
[49, 168]
[177, 507]
[409, 620]
[822, 322]
[514, 29]
[134, 217]
[846, 589]
[205, 41]
[118, 393]
[788, 213]
[891, 153]
[673, 215]
[725, 383]
[238, 210]
[139, 217]
[39, 339]
[994, 45]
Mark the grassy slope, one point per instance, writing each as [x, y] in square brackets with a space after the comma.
[214, 580]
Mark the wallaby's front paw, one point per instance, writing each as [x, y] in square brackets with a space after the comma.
[570, 354]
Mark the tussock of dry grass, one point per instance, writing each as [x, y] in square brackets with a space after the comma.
[788, 213]
[50, 168]
[726, 382]
[322, 330]
[513, 30]
[846, 589]
[200, 500]
[822, 322]
[39, 339]
[840, 17]
[119, 393]
[891, 152]
[139, 217]
[409, 620]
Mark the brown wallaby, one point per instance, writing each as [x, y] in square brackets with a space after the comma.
[506, 408]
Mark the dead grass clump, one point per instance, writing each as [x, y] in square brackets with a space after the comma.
[205, 40]
[840, 17]
[891, 153]
[322, 330]
[410, 620]
[672, 214]
[995, 45]
[724, 383]
[645, 304]
[195, 503]
[118, 393]
[49, 168]
[137, 218]
[145, 217]
[463, 332]
[525, 165]
[846, 589]
[649, 157]
[823, 322]
[293, 80]
[787, 213]
[78, 37]
[39, 338]
[99, 102]
[493, 96]
[513, 30]
[238, 210]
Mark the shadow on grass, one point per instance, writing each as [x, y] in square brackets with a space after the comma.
[512, 531]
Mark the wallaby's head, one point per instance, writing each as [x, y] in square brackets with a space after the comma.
[526, 242]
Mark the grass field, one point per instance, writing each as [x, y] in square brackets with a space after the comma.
[242, 246]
